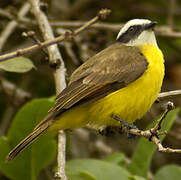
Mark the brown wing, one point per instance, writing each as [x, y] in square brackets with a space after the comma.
[111, 69]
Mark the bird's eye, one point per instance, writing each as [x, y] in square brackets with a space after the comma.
[131, 29]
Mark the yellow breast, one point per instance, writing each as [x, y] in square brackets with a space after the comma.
[133, 101]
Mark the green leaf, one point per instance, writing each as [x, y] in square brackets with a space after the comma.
[38, 155]
[17, 64]
[116, 158]
[169, 172]
[76, 176]
[136, 178]
[86, 175]
[95, 169]
[144, 151]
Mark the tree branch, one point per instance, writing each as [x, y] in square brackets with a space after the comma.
[165, 31]
[67, 35]
[17, 96]
[59, 76]
[12, 25]
[153, 134]
[169, 94]
[12, 90]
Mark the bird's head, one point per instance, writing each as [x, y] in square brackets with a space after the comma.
[138, 32]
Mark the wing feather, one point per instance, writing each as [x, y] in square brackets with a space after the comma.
[111, 69]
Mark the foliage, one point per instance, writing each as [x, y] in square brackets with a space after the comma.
[29, 164]
[169, 172]
[95, 169]
[17, 64]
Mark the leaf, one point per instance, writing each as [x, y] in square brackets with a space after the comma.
[144, 151]
[95, 169]
[86, 175]
[136, 178]
[116, 158]
[17, 64]
[169, 172]
[76, 176]
[38, 155]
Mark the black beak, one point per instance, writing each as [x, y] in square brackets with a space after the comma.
[150, 25]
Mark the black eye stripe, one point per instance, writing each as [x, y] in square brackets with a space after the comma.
[131, 33]
[135, 28]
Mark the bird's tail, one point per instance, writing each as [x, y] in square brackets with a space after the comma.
[28, 140]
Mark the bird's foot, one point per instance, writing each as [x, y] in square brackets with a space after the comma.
[125, 124]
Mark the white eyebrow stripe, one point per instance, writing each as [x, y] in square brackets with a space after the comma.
[132, 23]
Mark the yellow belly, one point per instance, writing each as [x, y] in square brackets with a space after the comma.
[129, 103]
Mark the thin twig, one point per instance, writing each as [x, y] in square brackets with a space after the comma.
[13, 92]
[166, 31]
[68, 35]
[160, 30]
[6, 14]
[12, 25]
[31, 34]
[153, 133]
[71, 53]
[75, 24]
[157, 127]
[68, 48]
[169, 94]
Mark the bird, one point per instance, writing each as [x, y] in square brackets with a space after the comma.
[122, 80]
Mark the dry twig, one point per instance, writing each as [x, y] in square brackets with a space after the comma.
[160, 30]
[13, 92]
[67, 35]
[12, 24]
[169, 94]
[153, 134]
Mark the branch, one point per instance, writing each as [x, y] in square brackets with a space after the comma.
[102, 14]
[17, 96]
[153, 134]
[59, 76]
[169, 94]
[165, 31]
[6, 14]
[12, 90]
[12, 25]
